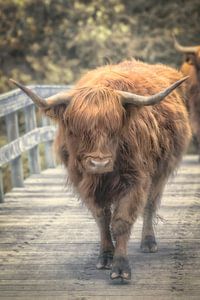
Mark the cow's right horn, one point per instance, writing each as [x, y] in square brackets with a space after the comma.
[59, 98]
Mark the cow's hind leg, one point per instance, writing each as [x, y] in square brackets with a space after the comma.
[196, 143]
[105, 257]
[148, 243]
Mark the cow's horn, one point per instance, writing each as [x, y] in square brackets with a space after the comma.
[184, 49]
[59, 98]
[138, 100]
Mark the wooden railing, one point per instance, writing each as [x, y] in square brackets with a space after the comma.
[10, 105]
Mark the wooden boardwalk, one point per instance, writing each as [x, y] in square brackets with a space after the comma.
[49, 244]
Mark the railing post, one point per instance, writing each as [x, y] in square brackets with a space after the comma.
[1, 187]
[33, 154]
[49, 159]
[16, 164]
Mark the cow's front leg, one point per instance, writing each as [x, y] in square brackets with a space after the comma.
[120, 265]
[124, 216]
[102, 216]
[106, 247]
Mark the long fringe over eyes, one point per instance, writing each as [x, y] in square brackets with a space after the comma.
[97, 107]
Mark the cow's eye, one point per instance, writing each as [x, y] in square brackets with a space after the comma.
[70, 132]
[113, 134]
[73, 133]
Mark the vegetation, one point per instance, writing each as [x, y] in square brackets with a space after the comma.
[48, 41]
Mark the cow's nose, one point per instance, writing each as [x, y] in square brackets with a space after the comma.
[99, 163]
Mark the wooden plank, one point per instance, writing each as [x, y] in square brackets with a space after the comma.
[33, 154]
[1, 187]
[14, 149]
[16, 163]
[49, 246]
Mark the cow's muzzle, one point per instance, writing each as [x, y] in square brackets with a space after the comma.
[96, 165]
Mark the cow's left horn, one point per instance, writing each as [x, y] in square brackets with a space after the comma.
[59, 98]
[138, 100]
[184, 49]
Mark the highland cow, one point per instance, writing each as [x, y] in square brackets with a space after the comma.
[191, 67]
[122, 131]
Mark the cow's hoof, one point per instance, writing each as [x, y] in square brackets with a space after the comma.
[149, 245]
[120, 268]
[105, 260]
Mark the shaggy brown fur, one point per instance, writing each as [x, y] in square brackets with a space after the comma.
[191, 67]
[144, 145]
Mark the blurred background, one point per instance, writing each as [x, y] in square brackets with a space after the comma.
[55, 42]
[46, 41]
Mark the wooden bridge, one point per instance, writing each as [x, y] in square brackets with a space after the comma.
[49, 242]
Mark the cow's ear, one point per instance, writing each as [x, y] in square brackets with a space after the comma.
[56, 112]
[190, 58]
[53, 106]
